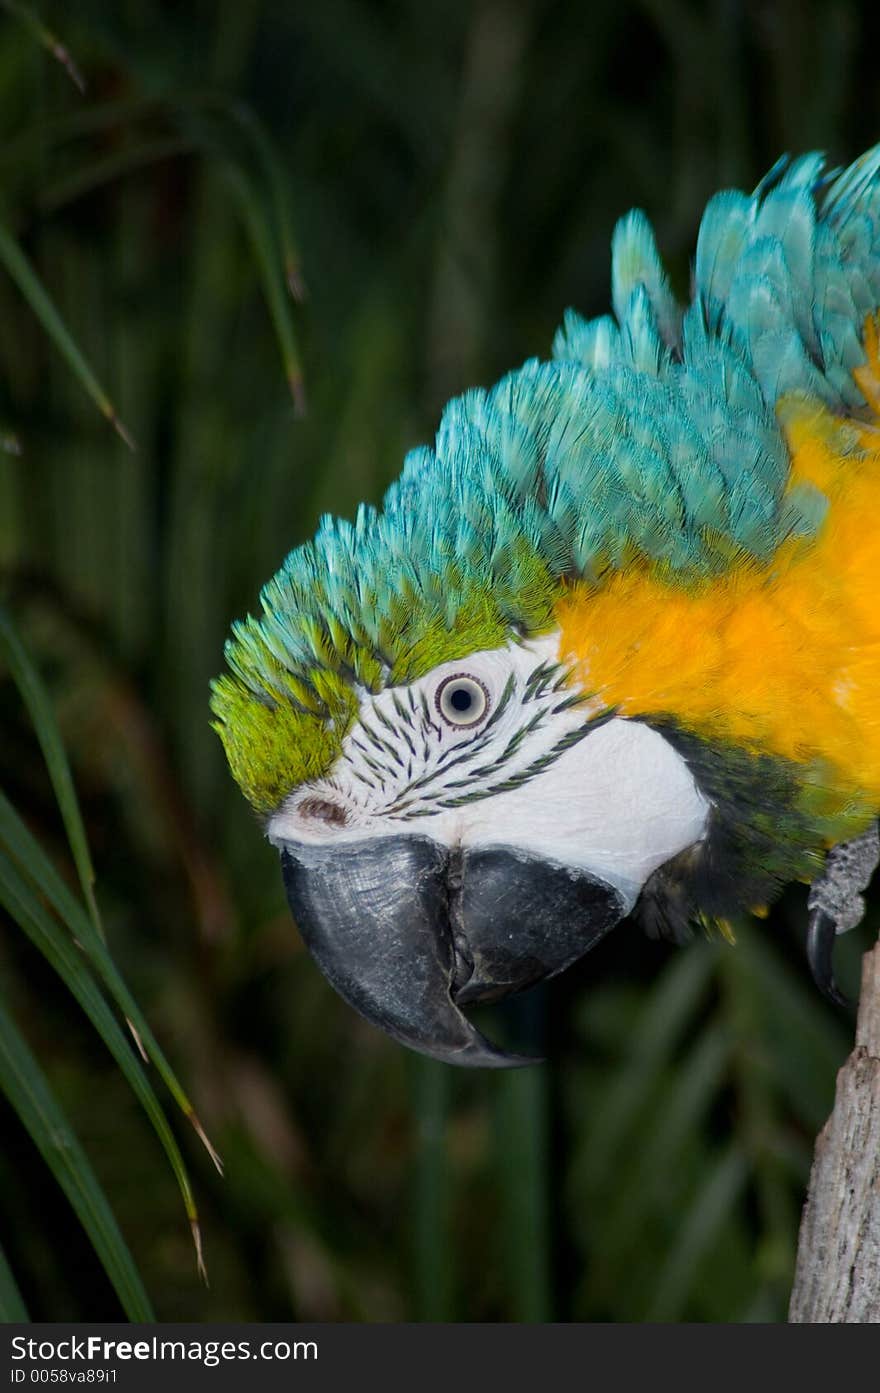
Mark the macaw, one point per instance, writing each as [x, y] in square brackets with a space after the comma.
[611, 647]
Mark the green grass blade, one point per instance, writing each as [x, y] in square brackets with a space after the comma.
[75, 124]
[278, 184]
[30, 1096]
[810, 1043]
[46, 934]
[270, 263]
[432, 1193]
[99, 172]
[12, 1307]
[36, 864]
[644, 1171]
[711, 1208]
[677, 996]
[39, 706]
[522, 1167]
[33, 290]
[270, 232]
[43, 36]
[260, 153]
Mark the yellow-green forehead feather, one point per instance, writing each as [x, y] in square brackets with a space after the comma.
[651, 438]
[271, 747]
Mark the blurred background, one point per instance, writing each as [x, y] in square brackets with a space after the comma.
[280, 235]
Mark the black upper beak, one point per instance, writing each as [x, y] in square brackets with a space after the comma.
[407, 931]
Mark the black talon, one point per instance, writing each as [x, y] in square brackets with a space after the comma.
[821, 933]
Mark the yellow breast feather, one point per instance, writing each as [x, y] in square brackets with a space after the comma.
[781, 658]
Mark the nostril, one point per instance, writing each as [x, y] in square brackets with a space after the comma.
[454, 873]
[323, 810]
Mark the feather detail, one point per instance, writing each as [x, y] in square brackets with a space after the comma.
[652, 441]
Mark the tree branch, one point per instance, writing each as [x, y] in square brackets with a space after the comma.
[837, 1277]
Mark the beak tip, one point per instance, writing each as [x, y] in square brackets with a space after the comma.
[491, 1058]
[473, 1050]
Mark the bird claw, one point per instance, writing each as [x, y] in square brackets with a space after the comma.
[835, 904]
[821, 933]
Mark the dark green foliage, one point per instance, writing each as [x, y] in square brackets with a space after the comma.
[452, 174]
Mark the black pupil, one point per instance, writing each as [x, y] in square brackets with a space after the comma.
[460, 699]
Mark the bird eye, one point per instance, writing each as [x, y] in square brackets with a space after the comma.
[462, 700]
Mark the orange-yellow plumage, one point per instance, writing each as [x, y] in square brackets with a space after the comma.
[782, 658]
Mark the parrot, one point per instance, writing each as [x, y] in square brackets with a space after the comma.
[610, 648]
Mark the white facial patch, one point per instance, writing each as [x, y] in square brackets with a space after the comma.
[537, 770]
[618, 804]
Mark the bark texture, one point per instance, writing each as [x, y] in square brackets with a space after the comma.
[837, 1277]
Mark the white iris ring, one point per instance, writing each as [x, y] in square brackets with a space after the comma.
[462, 700]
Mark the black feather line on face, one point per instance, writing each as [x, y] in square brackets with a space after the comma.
[537, 766]
[759, 837]
[424, 795]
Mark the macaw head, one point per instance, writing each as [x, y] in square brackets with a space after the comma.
[470, 720]
[457, 816]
